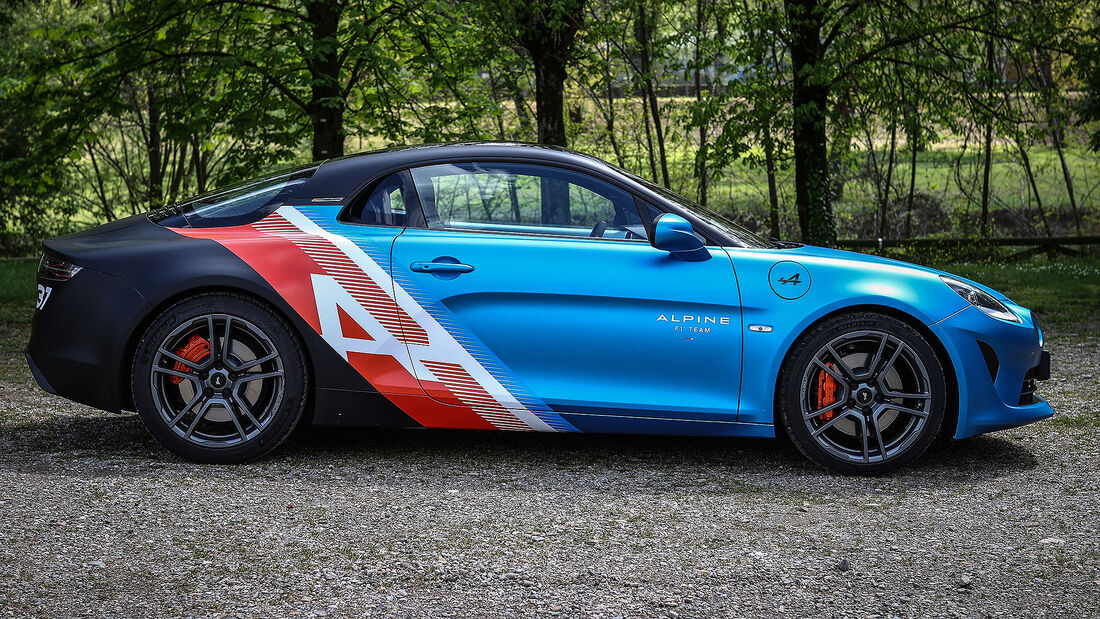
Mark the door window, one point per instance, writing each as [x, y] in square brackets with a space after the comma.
[525, 199]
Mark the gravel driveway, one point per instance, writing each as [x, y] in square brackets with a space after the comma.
[96, 519]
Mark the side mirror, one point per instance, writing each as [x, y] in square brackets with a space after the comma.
[673, 234]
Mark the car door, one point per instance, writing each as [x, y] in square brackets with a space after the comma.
[544, 276]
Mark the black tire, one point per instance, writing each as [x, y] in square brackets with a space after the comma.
[221, 419]
[862, 425]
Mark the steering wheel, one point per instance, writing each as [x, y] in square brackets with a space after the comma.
[598, 229]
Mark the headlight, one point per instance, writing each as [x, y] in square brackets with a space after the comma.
[55, 269]
[981, 300]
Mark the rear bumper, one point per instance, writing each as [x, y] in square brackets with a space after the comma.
[79, 339]
[995, 394]
[37, 373]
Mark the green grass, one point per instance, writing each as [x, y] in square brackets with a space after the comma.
[1063, 293]
[17, 282]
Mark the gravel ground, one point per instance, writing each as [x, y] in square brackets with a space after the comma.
[96, 519]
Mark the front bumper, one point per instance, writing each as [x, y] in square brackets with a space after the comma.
[996, 387]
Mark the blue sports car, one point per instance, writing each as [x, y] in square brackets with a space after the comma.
[515, 287]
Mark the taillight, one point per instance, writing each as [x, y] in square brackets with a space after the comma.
[55, 269]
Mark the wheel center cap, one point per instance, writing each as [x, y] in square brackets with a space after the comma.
[864, 396]
[219, 379]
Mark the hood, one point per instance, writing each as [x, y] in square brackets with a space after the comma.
[856, 257]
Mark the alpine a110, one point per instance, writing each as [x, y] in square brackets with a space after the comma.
[515, 287]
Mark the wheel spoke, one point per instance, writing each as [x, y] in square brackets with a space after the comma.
[841, 364]
[187, 407]
[878, 356]
[236, 422]
[906, 396]
[213, 337]
[198, 417]
[906, 409]
[878, 435]
[821, 411]
[251, 364]
[226, 342]
[239, 401]
[260, 376]
[893, 358]
[863, 434]
[194, 365]
[169, 371]
[831, 372]
[845, 413]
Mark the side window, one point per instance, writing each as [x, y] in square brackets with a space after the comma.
[525, 199]
[384, 204]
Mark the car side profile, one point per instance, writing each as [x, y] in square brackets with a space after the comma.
[515, 287]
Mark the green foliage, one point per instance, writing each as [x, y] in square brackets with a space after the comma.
[113, 107]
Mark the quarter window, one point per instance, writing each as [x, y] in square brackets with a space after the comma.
[384, 204]
[525, 199]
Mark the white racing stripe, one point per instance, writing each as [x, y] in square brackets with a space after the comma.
[443, 359]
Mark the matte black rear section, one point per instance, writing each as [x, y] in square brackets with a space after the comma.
[78, 337]
[82, 341]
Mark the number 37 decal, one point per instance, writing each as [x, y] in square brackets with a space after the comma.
[43, 296]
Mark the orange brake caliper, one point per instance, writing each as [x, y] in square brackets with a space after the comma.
[196, 348]
[826, 392]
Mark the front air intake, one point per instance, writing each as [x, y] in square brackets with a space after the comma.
[991, 361]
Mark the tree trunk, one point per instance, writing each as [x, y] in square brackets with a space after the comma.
[611, 117]
[773, 193]
[152, 148]
[987, 142]
[199, 161]
[643, 32]
[549, 97]
[914, 145]
[1034, 188]
[649, 143]
[701, 154]
[1057, 135]
[326, 103]
[521, 113]
[884, 193]
[842, 147]
[810, 99]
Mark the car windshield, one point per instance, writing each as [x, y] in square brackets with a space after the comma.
[738, 233]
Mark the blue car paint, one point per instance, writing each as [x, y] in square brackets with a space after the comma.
[985, 405]
[572, 318]
[842, 280]
[571, 324]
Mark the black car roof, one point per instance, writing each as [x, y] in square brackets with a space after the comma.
[338, 178]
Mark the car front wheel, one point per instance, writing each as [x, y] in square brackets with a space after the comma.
[219, 378]
[862, 393]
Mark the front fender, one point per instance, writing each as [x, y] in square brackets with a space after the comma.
[835, 284]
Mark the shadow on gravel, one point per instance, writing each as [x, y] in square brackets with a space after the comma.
[89, 445]
[387, 456]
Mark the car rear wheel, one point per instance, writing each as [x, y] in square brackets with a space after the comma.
[862, 393]
[219, 378]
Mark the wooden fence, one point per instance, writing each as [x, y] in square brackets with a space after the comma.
[1032, 245]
